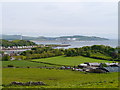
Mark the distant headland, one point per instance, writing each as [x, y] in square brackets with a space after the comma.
[43, 38]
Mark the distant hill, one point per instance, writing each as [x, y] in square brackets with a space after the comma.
[42, 38]
[82, 38]
[17, 37]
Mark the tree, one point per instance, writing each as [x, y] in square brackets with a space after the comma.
[6, 43]
[6, 57]
[87, 54]
[20, 57]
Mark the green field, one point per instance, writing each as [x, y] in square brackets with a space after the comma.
[53, 61]
[60, 78]
[23, 63]
[71, 61]
[100, 55]
[55, 78]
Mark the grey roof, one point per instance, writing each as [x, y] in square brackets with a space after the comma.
[111, 64]
[94, 64]
[112, 69]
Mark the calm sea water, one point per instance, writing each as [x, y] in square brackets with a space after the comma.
[74, 44]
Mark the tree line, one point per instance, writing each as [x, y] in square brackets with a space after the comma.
[95, 51]
[6, 43]
[42, 52]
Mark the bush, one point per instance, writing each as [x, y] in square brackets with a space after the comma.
[10, 66]
[104, 65]
[5, 58]
[21, 57]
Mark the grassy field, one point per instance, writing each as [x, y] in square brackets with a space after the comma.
[100, 55]
[60, 78]
[55, 78]
[23, 63]
[71, 61]
[53, 61]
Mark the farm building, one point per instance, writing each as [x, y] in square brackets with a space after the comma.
[113, 64]
[82, 65]
[12, 58]
[111, 69]
[101, 64]
[102, 70]
[93, 64]
[76, 69]
[95, 70]
[100, 67]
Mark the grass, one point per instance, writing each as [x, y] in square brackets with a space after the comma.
[71, 61]
[60, 78]
[55, 78]
[23, 63]
[100, 55]
[53, 61]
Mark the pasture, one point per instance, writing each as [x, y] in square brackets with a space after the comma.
[23, 63]
[70, 61]
[55, 78]
[59, 78]
[52, 61]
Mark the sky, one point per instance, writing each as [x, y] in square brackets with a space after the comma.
[60, 18]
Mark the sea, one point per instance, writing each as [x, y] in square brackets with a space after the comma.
[77, 44]
[73, 44]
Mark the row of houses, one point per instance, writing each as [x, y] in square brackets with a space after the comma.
[16, 47]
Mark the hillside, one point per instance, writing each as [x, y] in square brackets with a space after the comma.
[17, 37]
[82, 38]
[68, 61]
[6, 43]
[42, 38]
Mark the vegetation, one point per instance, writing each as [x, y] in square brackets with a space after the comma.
[95, 51]
[55, 78]
[20, 57]
[6, 43]
[69, 61]
[51, 62]
[5, 57]
[43, 52]
[59, 78]
[23, 63]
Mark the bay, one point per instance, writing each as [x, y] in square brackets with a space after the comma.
[77, 44]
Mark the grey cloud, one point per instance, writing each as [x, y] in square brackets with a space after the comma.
[54, 19]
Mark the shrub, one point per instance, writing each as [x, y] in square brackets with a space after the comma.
[5, 58]
[104, 65]
[10, 66]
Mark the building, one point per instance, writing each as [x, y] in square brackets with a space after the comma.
[113, 64]
[100, 67]
[12, 58]
[111, 69]
[82, 65]
[102, 70]
[93, 64]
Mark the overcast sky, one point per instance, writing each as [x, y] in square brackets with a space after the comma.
[60, 18]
